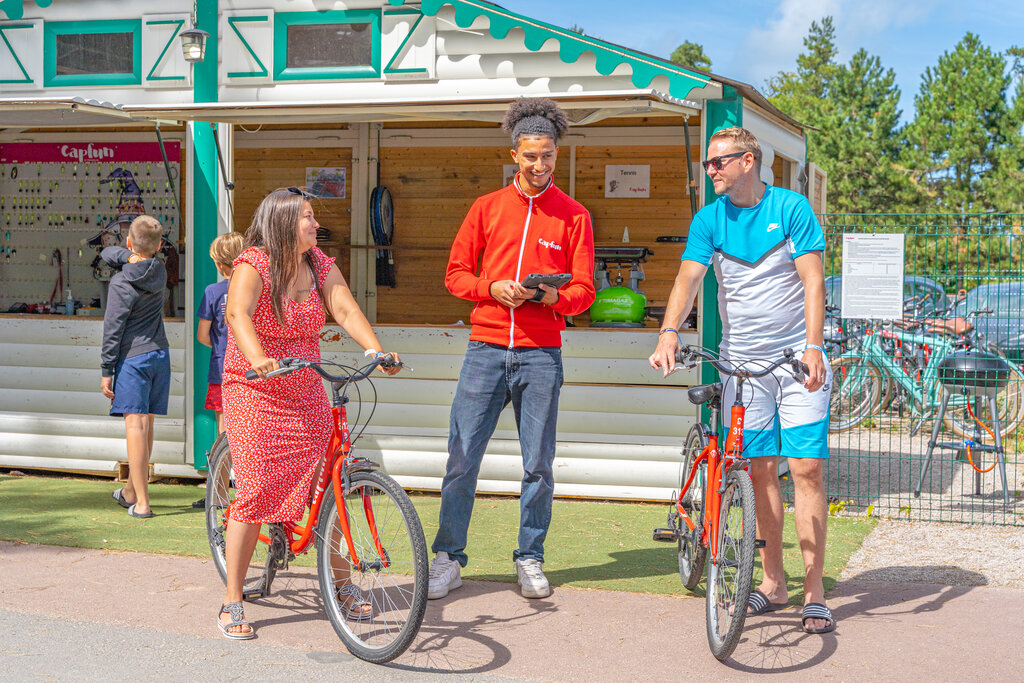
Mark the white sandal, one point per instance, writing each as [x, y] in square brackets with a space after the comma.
[237, 613]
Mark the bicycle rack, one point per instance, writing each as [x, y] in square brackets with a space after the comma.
[976, 375]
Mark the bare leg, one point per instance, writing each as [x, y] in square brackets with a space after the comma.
[239, 543]
[139, 438]
[768, 498]
[220, 421]
[811, 521]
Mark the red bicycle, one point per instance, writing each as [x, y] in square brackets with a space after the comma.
[714, 510]
[369, 540]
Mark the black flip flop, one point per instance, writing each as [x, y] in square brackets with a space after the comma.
[118, 495]
[139, 515]
[816, 610]
[759, 603]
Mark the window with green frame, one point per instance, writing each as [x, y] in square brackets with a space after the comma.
[92, 52]
[334, 44]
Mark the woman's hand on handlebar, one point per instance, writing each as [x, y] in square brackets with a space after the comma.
[261, 366]
[664, 356]
[390, 363]
[816, 370]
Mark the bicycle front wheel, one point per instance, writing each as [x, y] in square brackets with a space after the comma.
[220, 493]
[392, 573]
[730, 574]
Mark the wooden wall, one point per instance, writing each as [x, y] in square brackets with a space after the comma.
[261, 171]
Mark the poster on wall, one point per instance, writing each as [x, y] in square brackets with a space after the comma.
[326, 182]
[873, 276]
[627, 181]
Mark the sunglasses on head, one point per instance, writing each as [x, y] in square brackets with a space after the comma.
[717, 161]
[302, 193]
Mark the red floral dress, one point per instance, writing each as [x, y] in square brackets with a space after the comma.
[278, 428]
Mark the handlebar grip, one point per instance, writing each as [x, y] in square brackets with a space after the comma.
[251, 374]
[800, 371]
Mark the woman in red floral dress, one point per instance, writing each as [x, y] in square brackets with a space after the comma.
[278, 429]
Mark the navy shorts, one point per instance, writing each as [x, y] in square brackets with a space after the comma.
[142, 384]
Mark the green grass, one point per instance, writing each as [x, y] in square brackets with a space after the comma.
[589, 545]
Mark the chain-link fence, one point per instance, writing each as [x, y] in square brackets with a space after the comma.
[960, 343]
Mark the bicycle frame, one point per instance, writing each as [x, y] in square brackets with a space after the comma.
[718, 464]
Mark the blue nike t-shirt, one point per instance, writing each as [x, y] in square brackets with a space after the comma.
[211, 308]
[760, 294]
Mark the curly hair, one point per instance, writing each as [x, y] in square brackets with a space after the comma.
[534, 116]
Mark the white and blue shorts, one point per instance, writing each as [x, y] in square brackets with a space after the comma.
[780, 412]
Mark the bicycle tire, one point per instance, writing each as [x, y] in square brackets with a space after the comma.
[692, 553]
[856, 392]
[398, 599]
[220, 492]
[730, 575]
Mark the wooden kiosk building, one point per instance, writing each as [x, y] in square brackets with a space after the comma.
[355, 93]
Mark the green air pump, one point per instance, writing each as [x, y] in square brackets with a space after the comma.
[619, 305]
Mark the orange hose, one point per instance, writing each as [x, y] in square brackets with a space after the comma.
[968, 444]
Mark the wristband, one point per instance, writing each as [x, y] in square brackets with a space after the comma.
[667, 329]
[370, 352]
[815, 347]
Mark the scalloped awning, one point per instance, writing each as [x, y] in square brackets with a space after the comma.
[571, 45]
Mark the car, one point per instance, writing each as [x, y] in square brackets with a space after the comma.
[913, 286]
[1004, 326]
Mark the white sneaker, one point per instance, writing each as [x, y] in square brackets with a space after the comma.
[445, 574]
[531, 578]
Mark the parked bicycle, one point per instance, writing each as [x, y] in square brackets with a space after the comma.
[368, 537]
[714, 511]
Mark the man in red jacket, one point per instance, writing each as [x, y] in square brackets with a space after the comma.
[514, 352]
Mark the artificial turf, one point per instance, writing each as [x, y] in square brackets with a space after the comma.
[594, 545]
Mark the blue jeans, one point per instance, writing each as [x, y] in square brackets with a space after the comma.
[491, 377]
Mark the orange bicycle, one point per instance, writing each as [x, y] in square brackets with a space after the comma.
[714, 510]
[369, 541]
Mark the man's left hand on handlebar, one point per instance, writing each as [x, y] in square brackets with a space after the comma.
[664, 356]
[816, 371]
[393, 365]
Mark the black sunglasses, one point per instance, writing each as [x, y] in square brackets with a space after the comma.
[307, 196]
[717, 161]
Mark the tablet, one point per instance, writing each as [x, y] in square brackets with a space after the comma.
[555, 280]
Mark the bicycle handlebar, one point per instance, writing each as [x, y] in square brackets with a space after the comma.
[688, 355]
[290, 365]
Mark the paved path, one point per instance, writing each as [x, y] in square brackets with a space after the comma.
[74, 614]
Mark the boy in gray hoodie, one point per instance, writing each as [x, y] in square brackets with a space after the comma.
[134, 359]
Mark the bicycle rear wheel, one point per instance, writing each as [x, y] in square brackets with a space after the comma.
[393, 583]
[730, 574]
[692, 553]
[220, 492]
[856, 391]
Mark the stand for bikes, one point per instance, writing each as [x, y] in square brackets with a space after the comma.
[976, 375]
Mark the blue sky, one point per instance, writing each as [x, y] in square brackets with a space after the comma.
[751, 40]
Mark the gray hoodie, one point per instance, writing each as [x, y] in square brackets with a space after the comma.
[133, 323]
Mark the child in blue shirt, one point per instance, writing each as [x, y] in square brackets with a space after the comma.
[213, 331]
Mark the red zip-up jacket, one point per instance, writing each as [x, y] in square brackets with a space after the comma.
[518, 235]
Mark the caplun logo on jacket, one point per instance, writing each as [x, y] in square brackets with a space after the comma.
[550, 245]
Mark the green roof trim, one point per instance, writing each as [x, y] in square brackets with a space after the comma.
[571, 45]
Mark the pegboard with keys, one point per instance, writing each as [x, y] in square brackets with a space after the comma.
[72, 199]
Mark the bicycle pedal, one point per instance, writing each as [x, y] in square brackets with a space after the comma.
[759, 543]
[666, 535]
[250, 595]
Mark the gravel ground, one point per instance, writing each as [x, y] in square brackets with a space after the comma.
[933, 552]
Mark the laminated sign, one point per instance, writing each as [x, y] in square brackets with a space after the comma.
[627, 181]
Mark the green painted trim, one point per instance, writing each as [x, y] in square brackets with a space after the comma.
[283, 20]
[390, 69]
[14, 54]
[204, 210]
[177, 23]
[571, 45]
[722, 113]
[248, 74]
[52, 29]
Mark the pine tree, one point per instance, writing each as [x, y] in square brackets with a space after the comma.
[692, 55]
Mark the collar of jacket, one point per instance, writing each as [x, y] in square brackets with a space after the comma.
[525, 197]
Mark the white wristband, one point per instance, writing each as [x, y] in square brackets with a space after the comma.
[370, 352]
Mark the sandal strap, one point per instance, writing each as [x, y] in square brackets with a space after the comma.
[352, 590]
[237, 612]
[816, 610]
[758, 601]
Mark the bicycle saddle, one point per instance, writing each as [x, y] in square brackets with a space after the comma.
[704, 393]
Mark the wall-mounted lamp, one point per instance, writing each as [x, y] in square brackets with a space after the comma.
[193, 44]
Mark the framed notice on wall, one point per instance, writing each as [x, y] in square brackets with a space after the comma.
[326, 182]
[627, 181]
[873, 276]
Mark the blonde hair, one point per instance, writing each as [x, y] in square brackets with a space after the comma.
[146, 233]
[225, 249]
[742, 139]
